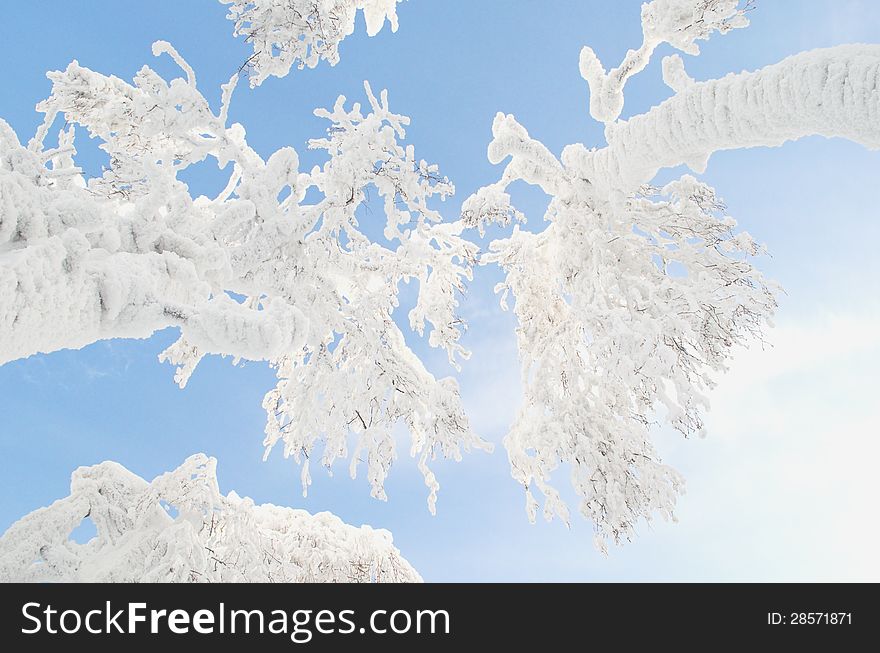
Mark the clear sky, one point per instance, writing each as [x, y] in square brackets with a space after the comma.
[783, 488]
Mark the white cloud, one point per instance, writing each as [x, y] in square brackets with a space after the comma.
[785, 486]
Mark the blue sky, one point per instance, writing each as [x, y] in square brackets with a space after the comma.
[782, 488]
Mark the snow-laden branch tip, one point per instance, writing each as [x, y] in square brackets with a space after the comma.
[301, 33]
[681, 23]
[180, 528]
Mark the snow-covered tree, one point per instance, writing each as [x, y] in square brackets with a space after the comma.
[180, 528]
[633, 297]
[630, 300]
[255, 273]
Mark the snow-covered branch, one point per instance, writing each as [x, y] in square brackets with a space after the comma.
[131, 252]
[301, 33]
[634, 297]
[832, 92]
[180, 528]
[681, 23]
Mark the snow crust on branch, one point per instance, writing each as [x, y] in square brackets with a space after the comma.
[255, 273]
[180, 528]
[633, 297]
[301, 33]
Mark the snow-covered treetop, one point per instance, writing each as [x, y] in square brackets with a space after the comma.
[287, 33]
[179, 527]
